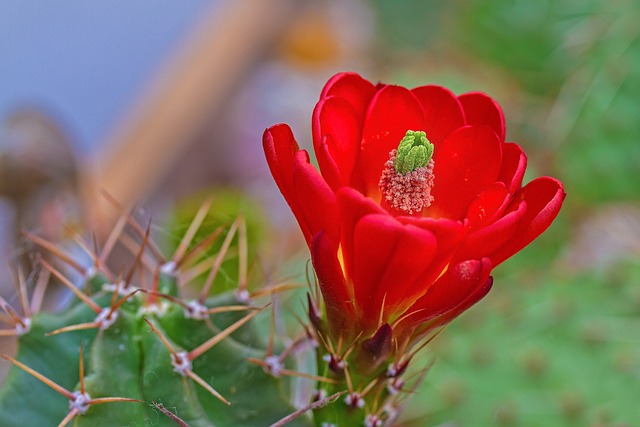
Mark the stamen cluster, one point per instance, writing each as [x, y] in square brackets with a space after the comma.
[409, 192]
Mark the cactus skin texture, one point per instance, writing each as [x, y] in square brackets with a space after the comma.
[132, 357]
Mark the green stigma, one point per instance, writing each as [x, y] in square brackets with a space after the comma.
[414, 151]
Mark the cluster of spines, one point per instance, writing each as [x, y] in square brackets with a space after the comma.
[163, 275]
[370, 373]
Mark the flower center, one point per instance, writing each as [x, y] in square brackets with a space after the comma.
[407, 177]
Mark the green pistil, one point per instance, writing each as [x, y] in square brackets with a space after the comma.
[414, 151]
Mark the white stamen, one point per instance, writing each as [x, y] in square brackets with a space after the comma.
[410, 192]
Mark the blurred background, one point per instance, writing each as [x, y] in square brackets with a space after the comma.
[159, 103]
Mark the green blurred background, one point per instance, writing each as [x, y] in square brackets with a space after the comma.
[557, 341]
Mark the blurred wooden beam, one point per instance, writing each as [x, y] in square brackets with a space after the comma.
[179, 103]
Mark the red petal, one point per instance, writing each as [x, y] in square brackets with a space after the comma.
[480, 109]
[327, 164]
[338, 301]
[317, 202]
[465, 163]
[279, 148]
[353, 89]
[388, 259]
[393, 111]
[544, 197]
[514, 164]
[479, 293]
[310, 198]
[490, 203]
[491, 238]
[449, 234]
[353, 206]
[442, 112]
[459, 283]
[334, 117]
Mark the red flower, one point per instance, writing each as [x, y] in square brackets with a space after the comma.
[413, 251]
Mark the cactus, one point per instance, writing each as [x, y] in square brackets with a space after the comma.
[128, 349]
